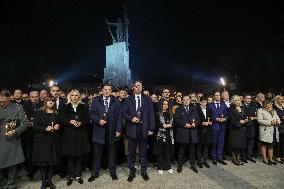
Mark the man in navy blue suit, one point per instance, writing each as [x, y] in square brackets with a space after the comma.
[105, 112]
[139, 114]
[218, 110]
[187, 120]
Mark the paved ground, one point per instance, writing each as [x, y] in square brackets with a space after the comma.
[251, 175]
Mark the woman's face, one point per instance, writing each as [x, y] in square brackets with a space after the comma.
[280, 100]
[238, 102]
[50, 104]
[74, 97]
[269, 106]
[165, 105]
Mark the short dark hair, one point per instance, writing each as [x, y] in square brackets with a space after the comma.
[216, 91]
[137, 81]
[106, 84]
[203, 98]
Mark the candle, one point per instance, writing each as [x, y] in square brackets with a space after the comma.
[193, 120]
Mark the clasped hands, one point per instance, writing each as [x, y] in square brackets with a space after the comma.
[76, 123]
[51, 129]
[167, 125]
[11, 133]
[188, 125]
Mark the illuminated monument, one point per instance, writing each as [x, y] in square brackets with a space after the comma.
[117, 70]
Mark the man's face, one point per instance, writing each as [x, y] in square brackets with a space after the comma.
[193, 98]
[225, 96]
[54, 91]
[4, 101]
[154, 98]
[122, 94]
[203, 103]
[137, 87]
[186, 100]
[34, 98]
[178, 100]
[166, 93]
[25, 97]
[217, 96]
[43, 94]
[106, 91]
[17, 94]
[247, 99]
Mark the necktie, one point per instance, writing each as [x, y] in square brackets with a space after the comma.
[106, 104]
[139, 103]
[217, 105]
[186, 108]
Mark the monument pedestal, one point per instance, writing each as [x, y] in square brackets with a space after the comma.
[117, 70]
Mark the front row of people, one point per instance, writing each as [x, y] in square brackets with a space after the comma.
[200, 130]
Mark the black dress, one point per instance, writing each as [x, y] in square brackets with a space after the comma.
[237, 131]
[47, 145]
[75, 140]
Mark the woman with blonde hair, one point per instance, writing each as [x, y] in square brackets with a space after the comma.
[75, 141]
[268, 130]
[236, 129]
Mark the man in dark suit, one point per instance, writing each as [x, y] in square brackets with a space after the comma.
[139, 114]
[186, 119]
[60, 102]
[30, 107]
[219, 114]
[60, 105]
[105, 112]
[204, 138]
[250, 114]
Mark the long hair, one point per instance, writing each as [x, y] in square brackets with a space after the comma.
[69, 96]
[44, 108]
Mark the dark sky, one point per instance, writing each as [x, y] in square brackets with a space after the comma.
[171, 42]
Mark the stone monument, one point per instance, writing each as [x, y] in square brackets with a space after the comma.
[117, 70]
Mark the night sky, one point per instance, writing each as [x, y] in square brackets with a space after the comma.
[171, 42]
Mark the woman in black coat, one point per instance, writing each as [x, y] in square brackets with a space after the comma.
[75, 142]
[237, 130]
[47, 145]
[163, 146]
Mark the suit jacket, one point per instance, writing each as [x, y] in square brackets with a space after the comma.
[182, 117]
[222, 111]
[203, 131]
[147, 116]
[114, 121]
[250, 111]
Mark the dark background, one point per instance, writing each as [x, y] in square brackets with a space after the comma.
[171, 42]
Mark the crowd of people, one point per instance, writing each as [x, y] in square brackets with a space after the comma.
[65, 133]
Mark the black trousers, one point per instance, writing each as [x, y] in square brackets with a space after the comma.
[164, 157]
[74, 165]
[8, 177]
[98, 150]
[202, 150]
[279, 147]
[182, 153]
